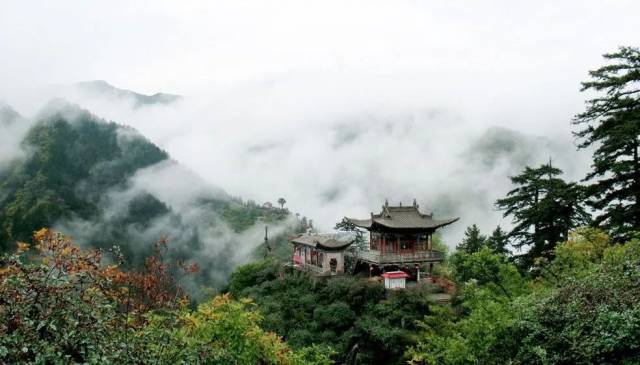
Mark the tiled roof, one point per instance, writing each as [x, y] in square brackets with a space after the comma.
[402, 217]
[326, 241]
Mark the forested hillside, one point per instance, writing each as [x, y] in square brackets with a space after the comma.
[107, 185]
[73, 158]
[159, 272]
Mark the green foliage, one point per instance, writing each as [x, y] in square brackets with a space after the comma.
[252, 274]
[50, 318]
[355, 317]
[473, 240]
[74, 157]
[63, 306]
[222, 331]
[498, 241]
[77, 173]
[390, 325]
[347, 226]
[584, 309]
[241, 215]
[577, 257]
[485, 336]
[610, 125]
[544, 208]
[487, 269]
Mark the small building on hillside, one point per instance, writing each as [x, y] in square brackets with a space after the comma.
[400, 245]
[321, 254]
[395, 279]
[400, 237]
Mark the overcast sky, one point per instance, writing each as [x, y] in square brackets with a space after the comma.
[334, 105]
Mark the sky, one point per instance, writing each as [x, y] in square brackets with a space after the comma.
[334, 105]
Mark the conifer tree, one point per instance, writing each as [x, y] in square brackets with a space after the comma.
[498, 241]
[611, 124]
[543, 208]
[346, 226]
[473, 240]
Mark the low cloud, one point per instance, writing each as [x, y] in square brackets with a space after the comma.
[333, 107]
[338, 161]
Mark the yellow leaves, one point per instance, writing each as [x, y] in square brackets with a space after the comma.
[22, 247]
[190, 321]
[183, 302]
[221, 300]
[41, 234]
[246, 301]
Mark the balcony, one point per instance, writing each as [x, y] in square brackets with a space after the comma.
[376, 257]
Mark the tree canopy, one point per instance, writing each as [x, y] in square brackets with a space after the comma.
[611, 124]
[543, 208]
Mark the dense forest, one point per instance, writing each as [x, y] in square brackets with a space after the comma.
[95, 179]
[561, 285]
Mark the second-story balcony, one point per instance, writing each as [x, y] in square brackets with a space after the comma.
[377, 257]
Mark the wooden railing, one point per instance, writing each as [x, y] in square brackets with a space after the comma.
[392, 257]
[312, 268]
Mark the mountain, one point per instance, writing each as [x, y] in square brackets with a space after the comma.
[102, 89]
[106, 184]
[498, 144]
[8, 115]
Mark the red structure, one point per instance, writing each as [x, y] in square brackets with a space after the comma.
[395, 275]
[400, 237]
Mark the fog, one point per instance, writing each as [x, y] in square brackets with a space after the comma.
[333, 105]
[194, 230]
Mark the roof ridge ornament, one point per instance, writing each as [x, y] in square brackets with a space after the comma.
[385, 209]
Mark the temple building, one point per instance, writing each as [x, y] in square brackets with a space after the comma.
[320, 254]
[400, 239]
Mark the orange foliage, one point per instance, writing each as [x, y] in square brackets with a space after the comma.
[153, 287]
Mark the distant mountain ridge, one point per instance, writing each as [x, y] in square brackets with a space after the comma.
[7, 114]
[102, 89]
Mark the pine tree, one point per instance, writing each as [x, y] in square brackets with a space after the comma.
[544, 208]
[346, 226]
[611, 124]
[498, 241]
[473, 240]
